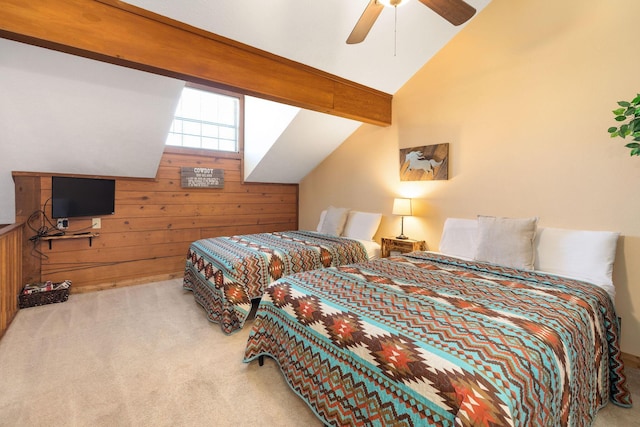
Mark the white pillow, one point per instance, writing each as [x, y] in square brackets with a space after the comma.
[459, 237]
[322, 215]
[506, 241]
[362, 225]
[334, 221]
[578, 254]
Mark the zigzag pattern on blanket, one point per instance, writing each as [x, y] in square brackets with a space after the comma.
[417, 337]
[237, 269]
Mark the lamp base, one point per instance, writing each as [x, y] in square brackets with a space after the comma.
[402, 237]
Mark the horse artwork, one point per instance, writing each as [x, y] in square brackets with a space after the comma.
[426, 163]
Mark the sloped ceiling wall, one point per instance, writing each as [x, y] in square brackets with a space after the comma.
[264, 123]
[66, 114]
[313, 135]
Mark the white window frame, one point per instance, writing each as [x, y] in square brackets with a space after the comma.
[239, 126]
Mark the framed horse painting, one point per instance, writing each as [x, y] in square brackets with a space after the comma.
[426, 163]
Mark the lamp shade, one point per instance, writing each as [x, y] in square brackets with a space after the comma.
[401, 207]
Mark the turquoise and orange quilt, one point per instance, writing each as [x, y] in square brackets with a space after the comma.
[424, 339]
[226, 273]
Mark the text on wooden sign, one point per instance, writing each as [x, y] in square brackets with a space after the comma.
[201, 177]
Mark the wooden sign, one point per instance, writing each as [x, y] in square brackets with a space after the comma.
[426, 163]
[201, 178]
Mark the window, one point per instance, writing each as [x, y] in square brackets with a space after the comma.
[207, 120]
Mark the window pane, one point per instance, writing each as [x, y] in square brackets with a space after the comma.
[209, 108]
[228, 133]
[191, 141]
[228, 109]
[210, 143]
[227, 145]
[176, 126]
[202, 117]
[174, 139]
[209, 130]
[191, 128]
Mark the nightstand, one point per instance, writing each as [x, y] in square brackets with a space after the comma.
[389, 244]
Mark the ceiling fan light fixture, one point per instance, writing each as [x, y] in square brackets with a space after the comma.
[393, 3]
[457, 12]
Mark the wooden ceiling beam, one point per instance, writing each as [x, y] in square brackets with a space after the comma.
[121, 34]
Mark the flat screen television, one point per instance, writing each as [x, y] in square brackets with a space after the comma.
[74, 197]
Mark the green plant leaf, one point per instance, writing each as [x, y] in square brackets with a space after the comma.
[629, 116]
[624, 130]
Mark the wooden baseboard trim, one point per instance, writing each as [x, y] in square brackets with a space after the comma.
[631, 361]
[125, 283]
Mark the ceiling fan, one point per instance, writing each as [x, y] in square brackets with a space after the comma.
[455, 11]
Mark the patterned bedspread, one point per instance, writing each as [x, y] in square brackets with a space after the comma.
[425, 339]
[226, 273]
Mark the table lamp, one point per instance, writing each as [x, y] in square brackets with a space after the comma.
[401, 207]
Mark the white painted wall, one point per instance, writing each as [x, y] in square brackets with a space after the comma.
[62, 113]
[306, 142]
[66, 114]
[524, 98]
[264, 123]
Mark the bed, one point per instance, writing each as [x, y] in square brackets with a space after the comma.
[226, 274]
[433, 339]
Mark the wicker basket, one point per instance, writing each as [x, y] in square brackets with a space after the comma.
[42, 298]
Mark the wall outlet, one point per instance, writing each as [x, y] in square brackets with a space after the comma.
[96, 223]
[62, 224]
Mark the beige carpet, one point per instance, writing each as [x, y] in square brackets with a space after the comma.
[146, 356]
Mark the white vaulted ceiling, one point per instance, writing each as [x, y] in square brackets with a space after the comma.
[66, 114]
[314, 33]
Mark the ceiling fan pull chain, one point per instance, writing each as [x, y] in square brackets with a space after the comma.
[395, 30]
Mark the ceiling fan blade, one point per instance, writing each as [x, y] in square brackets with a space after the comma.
[455, 11]
[366, 21]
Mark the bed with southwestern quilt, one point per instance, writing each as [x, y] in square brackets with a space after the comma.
[226, 273]
[425, 339]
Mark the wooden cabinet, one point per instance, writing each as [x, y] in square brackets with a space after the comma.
[11, 254]
[392, 244]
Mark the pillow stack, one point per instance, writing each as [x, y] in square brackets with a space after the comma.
[518, 242]
[347, 223]
[333, 221]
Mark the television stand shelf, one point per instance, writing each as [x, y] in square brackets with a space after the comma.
[89, 236]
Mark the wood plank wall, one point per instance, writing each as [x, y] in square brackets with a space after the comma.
[155, 221]
[11, 240]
